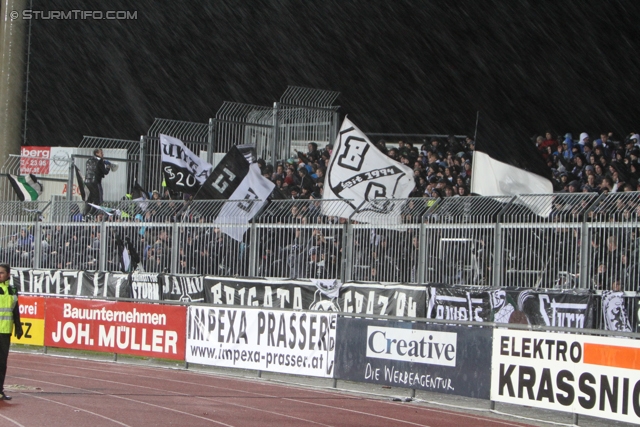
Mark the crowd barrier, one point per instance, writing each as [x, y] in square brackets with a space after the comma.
[579, 241]
[577, 373]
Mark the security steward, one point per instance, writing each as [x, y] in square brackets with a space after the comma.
[9, 315]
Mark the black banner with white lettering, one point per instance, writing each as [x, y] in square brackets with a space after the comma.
[182, 169]
[388, 300]
[563, 308]
[439, 358]
[182, 288]
[71, 283]
[290, 294]
[361, 298]
[145, 286]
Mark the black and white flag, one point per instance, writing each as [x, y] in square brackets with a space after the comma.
[246, 202]
[226, 177]
[359, 172]
[183, 170]
[505, 164]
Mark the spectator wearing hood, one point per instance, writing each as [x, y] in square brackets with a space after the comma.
[584, 139]
[568, 146]
[579, 163]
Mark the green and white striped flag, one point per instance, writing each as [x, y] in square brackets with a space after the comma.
[26, 187]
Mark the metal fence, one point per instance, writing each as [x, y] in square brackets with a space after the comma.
[302, 116]
[558, 241]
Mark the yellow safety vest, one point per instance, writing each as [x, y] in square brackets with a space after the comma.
[8, 300]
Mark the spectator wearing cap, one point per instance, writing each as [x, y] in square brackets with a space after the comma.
[574, 186]
[564, 181]
[632, 143]
[436, 193]
[294, 192]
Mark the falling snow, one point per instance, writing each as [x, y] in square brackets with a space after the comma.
[401, 66]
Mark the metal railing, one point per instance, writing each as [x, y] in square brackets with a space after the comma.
[582, 241]
[560, 241]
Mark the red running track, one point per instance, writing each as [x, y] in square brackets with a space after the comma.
[55, 391]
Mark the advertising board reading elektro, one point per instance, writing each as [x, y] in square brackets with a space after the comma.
[588, 375]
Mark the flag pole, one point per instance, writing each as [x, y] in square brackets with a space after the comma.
[475, 132]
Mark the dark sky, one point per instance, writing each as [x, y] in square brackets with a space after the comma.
[414, 67]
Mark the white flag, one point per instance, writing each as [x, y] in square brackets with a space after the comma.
[490, 177]
[183, 170]
[359, 172]
[248, 198]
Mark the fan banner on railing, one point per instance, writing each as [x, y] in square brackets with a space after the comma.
[568, 308]
[182, 288]
[71, 283]
[358, 298]
[387, 300]
[290, 294]
[359, 172]
[182, 169]
[439, 358]
[614, 312]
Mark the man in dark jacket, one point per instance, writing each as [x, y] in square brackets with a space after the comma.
[97, 168]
